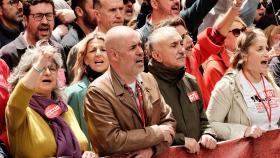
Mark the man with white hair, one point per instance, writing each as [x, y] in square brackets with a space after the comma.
[125, 113]
[179, 89]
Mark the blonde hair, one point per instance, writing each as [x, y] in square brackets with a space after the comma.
[80, 67]
[244, 41]
[271, 31]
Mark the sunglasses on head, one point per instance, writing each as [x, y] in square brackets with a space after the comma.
[236, 32]
[264, 4]
[126, 1]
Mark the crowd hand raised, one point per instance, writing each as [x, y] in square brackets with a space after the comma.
[168, 133]
[253, 131]
[66, 16]
[61, 30]
[46, 56]
[89, 154]
[208, 141]
[192, 145]
[144, 153]
[236, 4]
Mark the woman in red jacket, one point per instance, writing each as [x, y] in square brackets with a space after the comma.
[4, 95]
[209, 42]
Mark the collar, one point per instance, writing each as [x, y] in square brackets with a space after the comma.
[223, 57]
[84, 82]
[21, 43]
[172, 76]
[148, 21]
[118, 84]
[236, 88]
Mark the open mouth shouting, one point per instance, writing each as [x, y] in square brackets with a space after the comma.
[128, 10]
[99, 62]
[264, 62]
[140, 61]
[175, 9]
[44, 31]
[47, 81]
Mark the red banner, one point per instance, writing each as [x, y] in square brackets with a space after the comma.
[267, 146]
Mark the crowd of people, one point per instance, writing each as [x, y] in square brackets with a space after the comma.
[130, 78]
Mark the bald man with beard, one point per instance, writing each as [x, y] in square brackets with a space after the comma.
[125, 112]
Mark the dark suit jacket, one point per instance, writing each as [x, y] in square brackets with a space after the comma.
[12, 52]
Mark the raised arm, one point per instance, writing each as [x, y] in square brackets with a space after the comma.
[194, 15]
[25, 88]
[223, 26]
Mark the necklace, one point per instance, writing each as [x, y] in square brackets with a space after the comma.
[267, 109]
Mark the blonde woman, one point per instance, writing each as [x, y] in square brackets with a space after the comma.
[272, 33]
[245, 102]
[91, 62]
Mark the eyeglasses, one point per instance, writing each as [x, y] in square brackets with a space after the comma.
[236, 32]
[40, 16]
[264, 4]
[51, 68]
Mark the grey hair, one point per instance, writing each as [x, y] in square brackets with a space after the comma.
[26, 61]
[158, 35]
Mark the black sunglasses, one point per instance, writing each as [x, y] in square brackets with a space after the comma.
[264, 4]
[126, 1]
[236, 32]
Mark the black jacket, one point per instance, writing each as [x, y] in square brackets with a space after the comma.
[12, 52]
[7, 35]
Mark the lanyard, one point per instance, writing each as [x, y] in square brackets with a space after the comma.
[138, 103]
[268, 110]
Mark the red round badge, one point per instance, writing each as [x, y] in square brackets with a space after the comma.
[53, 111]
